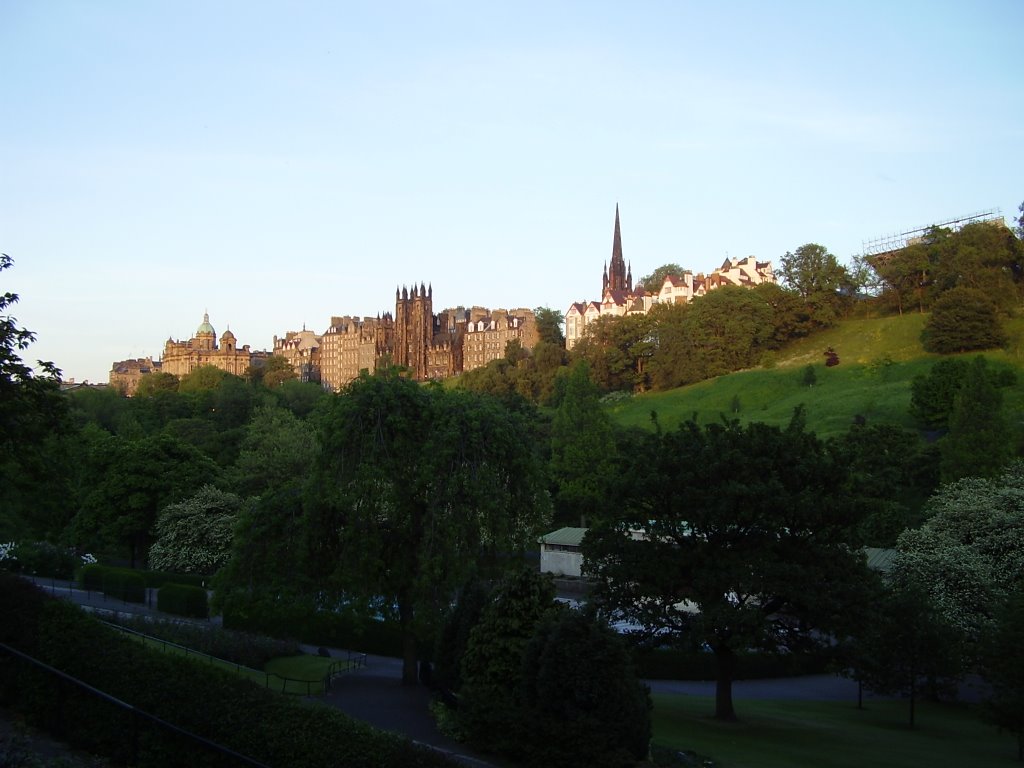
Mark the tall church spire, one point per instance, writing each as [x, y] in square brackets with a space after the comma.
[617, 280]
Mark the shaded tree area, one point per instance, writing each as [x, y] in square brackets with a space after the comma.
[962, 320]
[33, 419]
[413, 488]
[734, 538]
[540, 682]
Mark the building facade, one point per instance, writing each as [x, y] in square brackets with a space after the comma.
[619, 297]
[182, 357]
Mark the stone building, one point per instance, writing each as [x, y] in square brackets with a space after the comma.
[126, 374]
[351, 345]
[183, 357]
[619, 297]
[487, 337]
[302, 351]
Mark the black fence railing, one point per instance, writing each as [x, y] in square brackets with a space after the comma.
[130, 748]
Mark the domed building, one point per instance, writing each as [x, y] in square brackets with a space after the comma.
[183, 357]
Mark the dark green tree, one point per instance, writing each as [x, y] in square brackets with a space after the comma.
[617, 350]
[582, 449]
[978, 442]
[132, 480]
[155, 382]
[653, 282]
[277, 450]
[549, 325]
[413, 487]
[584, 702]
[906, 647]
[32, 410]
[962, 320]
[1002, 665]
[491, 697]
[809, 377]
[743, 542]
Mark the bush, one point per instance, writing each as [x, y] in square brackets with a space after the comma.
[205, 700]
[121, 583]
[183, 600]
[41, 558]
[583, 701]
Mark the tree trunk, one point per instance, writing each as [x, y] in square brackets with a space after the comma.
[405, 617]
[726, 662]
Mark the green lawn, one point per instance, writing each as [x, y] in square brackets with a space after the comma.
[299, 675]
[784, 734]
[879, 359]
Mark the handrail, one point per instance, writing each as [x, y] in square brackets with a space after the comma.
[160, 722]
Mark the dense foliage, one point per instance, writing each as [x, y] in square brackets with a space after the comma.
[206, 701]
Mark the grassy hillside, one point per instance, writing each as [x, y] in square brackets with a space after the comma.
[878, 360]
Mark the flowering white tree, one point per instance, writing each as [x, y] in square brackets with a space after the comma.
[194, 536]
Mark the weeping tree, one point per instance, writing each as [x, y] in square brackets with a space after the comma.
[414, 487]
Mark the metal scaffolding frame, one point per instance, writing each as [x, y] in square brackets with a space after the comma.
[899, 240]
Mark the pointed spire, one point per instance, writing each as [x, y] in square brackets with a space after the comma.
[617, 268]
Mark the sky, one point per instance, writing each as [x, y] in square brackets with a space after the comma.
[278, 163]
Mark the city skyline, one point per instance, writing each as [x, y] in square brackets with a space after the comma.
[278, 167]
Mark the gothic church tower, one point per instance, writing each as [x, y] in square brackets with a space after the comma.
[618, 277]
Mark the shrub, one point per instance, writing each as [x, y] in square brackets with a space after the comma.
[183, 600]
[202, 699]
[124, 584]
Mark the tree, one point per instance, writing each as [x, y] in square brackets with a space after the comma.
[652, 283]
[549, 325]
[932, 395]
[584, 702]
[32, 409]
[1002, 665]
[734, 537]
[906, 645]
[967, 555]
[277, 451]
[811, 270]
[963, 319]
[194, 535]
[132, 481]
[617, 350]
[582, 449]
[809, 378]
[490, 700]
[158, 381]
[272, 372]
[413, 488]
[978, 442]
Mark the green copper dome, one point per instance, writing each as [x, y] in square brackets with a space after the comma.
[206, 327]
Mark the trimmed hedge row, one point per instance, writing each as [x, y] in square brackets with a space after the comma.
[335, 630]
[183, 600]
[204, 700]
[121, 583]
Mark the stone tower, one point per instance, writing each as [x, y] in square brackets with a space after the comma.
[618, 277]
[414, 328]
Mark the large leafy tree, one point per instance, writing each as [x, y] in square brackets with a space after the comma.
[32, 410]
[617, 350]
[130, 482]
[277, 451]
[734, 537]
[653, 282]
[962, 320]
[1002, 664]
[549, 325]
[968, 554]
[582, 449]
[194, 535]
[413, 487]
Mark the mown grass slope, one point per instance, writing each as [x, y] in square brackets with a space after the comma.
[879, 359]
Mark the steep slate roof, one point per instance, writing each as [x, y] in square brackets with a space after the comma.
[565, 537]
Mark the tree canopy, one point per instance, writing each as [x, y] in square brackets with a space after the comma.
[413, 488]
[734, 537]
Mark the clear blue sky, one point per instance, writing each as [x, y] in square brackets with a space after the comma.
[279, 163]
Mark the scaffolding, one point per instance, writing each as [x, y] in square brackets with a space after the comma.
[895, 242]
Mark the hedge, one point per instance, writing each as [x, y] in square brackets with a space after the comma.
[121, 583]
[217, 705]
[183, 600]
